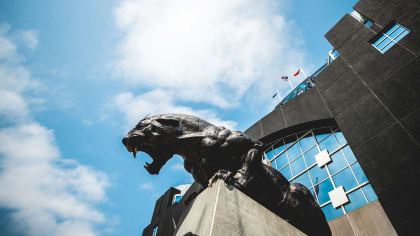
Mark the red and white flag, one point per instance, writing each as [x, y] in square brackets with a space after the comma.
[297, 73]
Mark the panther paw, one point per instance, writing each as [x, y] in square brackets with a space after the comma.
[224, 175]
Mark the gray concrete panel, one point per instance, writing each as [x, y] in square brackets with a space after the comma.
[272, 122]
[343, 30]
[224, 210]
[330, 74]
[401, 93]
[371, 220]
[369, 8]
[345, 91]
[254, 131]
[363, 120]
[341, 227]
[388, 159]
[306, 107]
[411, 41]
[411, 122]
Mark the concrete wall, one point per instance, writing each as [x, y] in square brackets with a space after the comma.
[374, 99]
[366, 221]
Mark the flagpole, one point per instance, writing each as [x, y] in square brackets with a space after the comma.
[306, 76]
[278, 94]
[290, 83]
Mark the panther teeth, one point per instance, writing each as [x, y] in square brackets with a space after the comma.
[134, 154]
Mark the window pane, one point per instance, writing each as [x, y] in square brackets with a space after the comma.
[370, 194]
[298, 166]
[329, 143]
[324, 188]
[387, 47]
[313, 195]
[338, 162]
[294, 151]
[318, 174]
[286, 172]
[349, 154]
[269, 154]
[304, 179]
[356, 200]
[379, 41]
[278, 150]
[340, 138]
[361, 177]
[331, 213]
[307, 142]
[321, 137]
[402, 35]
[281, 160]
[310, 155]
[396, 32]
[388, 32]
[346, 179]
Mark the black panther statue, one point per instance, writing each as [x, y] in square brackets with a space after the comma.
[212, 153]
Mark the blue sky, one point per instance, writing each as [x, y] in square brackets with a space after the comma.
[75, 76]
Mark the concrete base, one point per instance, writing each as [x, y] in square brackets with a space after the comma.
[224, 210]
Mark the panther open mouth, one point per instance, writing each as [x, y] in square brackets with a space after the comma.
[158, 158]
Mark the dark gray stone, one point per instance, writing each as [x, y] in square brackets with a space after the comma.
[273, 121]
[255, 131]
[363, 120]
[345, 91]
[330, 74]
[304, 108]
[401, 93]
[211, 153]
[343, 30]
[412, 123]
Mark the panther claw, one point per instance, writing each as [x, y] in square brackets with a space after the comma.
[221, 174]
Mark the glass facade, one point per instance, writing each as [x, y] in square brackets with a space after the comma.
[294, 157]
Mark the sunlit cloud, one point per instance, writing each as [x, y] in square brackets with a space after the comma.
[49, 195]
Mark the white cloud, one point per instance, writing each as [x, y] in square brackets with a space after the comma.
[146, 186]
[177, 166]
[49, 195]
[156, 102]
[29, 38]
[211, 51]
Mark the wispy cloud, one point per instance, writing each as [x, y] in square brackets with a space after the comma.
[155, 102]
[49, 195]
[211, 51]
[178, 167]
[146, 186]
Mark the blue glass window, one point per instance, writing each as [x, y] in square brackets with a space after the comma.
[370, 194]
[310, 155]
[324, 188]
[344, 169]
[338, 162]
[361, 177]
[294, 151]
[356, 200]
[298, 166]
[307, 143]
[286, 172]
[349, 154]
[304, 179]
[340, 138]
[329, 143]
[318, 174]
[331, 213]
[389, 38]
[281, 160]
[346, 179]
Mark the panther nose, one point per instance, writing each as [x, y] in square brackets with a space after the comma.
[124, 141]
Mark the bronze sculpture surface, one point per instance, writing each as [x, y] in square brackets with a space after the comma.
[212, 153]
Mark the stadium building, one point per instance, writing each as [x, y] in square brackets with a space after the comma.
[350, 132]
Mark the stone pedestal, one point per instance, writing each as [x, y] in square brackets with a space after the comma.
[223, 210]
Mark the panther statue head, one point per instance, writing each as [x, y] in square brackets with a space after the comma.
[156, 136]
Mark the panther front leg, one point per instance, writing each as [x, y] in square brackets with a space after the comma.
[222, 174]
[251, 162]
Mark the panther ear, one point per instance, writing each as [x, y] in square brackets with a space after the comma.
[168, 121]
